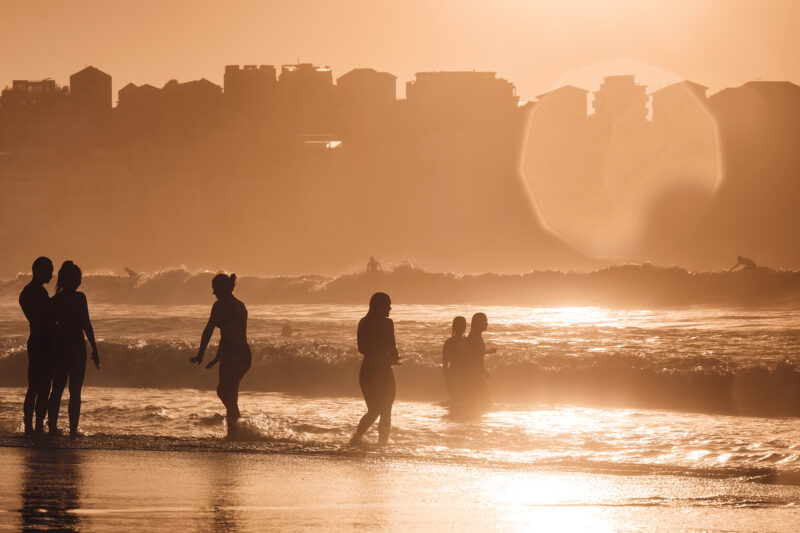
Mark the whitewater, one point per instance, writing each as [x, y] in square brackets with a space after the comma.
[703, 391]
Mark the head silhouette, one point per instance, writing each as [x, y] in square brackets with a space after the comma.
[380, 304]
[479, 323]
[42, 270]
[459, 326]
[223, 285]
[69, 277]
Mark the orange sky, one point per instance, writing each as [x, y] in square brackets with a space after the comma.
[535, 44]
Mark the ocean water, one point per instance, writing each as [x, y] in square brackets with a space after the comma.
[697, 393]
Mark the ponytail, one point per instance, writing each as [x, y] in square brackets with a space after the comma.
[222, 283]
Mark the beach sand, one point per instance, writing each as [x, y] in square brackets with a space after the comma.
[134, 490]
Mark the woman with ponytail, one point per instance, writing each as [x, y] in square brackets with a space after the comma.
[376, 343]
[229, 315]
[71, 314]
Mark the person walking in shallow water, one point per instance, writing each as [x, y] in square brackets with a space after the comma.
[376, 343]
[229, 315]
[71, 314]
[35, 303]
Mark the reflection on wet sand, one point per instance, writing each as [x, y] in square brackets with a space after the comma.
[224, 478]
[51, 483]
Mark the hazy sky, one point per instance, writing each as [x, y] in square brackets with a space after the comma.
[536, 44]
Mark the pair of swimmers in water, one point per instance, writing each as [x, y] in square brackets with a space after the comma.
[56, 345]
[463, 363]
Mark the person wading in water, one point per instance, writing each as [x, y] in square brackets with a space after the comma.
[229, 315]
[454, 362]
[376, 344]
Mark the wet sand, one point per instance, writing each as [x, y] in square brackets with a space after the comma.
[119, 490]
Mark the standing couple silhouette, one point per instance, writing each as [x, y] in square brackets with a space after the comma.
[56, 345]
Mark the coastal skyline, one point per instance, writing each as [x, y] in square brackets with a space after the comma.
[540, 45]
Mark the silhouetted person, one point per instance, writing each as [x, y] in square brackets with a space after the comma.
[376, 344]
[454, 362]
[71, 313]
[745, 262]
[229, 315]
[373, 265]
[131, 274]
[286, 330]
[35, 303]
[475, 350]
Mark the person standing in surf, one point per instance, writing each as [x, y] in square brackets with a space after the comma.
[71, 314]
[229, 315]
[454, 361]
[475, 351]
[37, 307]
[376, 343]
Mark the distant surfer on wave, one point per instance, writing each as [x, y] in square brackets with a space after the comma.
[229, 315]
[745, 262]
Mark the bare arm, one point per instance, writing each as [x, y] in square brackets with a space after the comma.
[206, 337]
[394, 357]
[89, 330]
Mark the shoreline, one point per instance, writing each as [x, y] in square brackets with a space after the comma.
[285, 448]
[116, 490]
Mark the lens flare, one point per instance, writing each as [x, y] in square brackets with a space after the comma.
[616, 169]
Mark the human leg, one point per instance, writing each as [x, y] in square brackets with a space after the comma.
[368, 379]
[388, 391]
[232, 369]
[77, 371]
[54, 404]
[43, 378]
[30, 394]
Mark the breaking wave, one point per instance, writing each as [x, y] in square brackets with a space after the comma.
[643, 284]
[699, 383]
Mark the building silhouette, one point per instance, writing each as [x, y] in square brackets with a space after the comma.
[620, 98]
[678, 101]
[566, 103]
[457, 97]
[90, 91]
[257, 152]
[365, 101]
[33, 116]
[306, 100]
